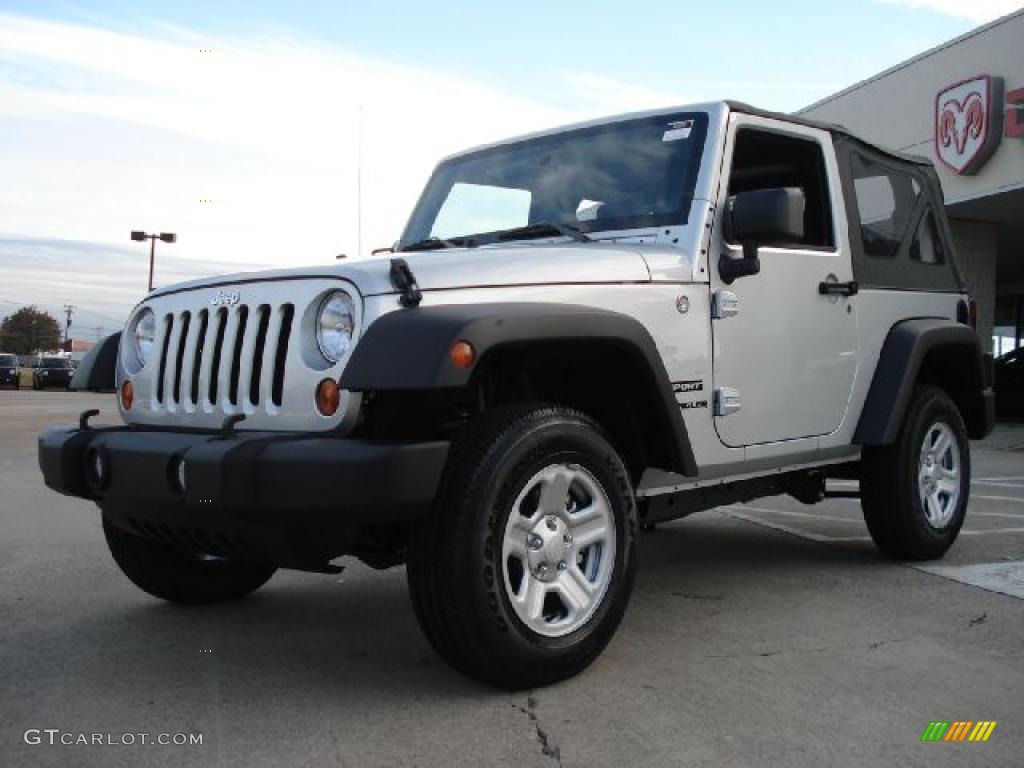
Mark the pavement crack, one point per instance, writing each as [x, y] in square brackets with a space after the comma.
[694, 596]
[978, 620]
[763, 654]
[549, 749]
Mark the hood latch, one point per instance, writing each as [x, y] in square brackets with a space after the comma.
[404, 280]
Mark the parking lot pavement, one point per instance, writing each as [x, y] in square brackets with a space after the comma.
[758, 635]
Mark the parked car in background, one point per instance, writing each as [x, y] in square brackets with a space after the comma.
[1009, 384]
[10, 370]
[52, 372]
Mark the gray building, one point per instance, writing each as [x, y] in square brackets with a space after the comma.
[962, 105]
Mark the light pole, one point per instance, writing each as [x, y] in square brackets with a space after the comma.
[167, 237]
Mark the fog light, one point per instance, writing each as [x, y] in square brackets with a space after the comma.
[462, 354]
[328, 397]
[179, 474]
[96, 469]
[127, 395]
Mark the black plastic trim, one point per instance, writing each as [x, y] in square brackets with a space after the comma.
[408, 351]
[296, 498]
[899, 363]
[98, 368]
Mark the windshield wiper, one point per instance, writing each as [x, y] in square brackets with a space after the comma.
[542, 229]
[435, 243]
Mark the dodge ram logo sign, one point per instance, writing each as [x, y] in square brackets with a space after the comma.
[968, 123]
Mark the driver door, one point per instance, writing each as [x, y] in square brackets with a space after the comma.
[784, 363]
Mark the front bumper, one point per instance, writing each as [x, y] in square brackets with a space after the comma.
[291, 499]
[8, 377]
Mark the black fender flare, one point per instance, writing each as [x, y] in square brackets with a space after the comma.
[98, 369]
[409, 350]
[904, 352]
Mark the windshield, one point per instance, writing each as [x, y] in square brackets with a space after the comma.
[624, 175]
[7, 361]
[55, 362]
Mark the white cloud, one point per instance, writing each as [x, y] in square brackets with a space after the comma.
[103, 281]
[978, 11]
[102, 132]
[610, 95]
[616, 95]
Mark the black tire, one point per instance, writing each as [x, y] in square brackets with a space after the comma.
[894, 509]
[455, 569]
[173, 575]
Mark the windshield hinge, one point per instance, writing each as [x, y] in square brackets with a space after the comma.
[404, 280]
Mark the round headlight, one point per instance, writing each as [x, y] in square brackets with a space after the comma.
[334, 325]
[141, 336]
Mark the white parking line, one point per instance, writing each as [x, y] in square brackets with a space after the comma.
[994, 514]
[986, 497]
[793, 513]
[728, 512]
[737, 512]
[997, 483]
[1004, 578]
[988, 531]
[996, 498]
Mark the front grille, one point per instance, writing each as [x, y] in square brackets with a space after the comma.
[256, 357]
[227, 360]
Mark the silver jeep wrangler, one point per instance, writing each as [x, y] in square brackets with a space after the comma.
[580, 333]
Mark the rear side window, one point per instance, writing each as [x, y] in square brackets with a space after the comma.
[898, 233]
[886, 202]
[926, 247]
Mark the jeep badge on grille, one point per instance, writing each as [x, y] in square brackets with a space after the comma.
[223, 299]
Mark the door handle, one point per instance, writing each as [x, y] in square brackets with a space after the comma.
[828, 288]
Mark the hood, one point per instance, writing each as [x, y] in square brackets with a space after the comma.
[494, 265]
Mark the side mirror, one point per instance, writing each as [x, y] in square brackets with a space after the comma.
[758, 217]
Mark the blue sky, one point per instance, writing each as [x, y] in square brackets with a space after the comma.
[113, 116]
[782, 52]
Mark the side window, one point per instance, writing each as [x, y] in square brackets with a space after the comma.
[886, 200]
[927, 245]
[473, 208]
[764, 160]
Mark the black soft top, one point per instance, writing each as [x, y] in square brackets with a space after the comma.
[897, 270]
[834, 128]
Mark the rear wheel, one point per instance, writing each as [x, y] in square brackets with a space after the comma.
[914, 493]
[522, 572]
[182, 577]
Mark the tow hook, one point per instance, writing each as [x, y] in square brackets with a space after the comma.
[83, 419]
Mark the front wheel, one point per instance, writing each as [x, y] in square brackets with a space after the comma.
[914, 493]
[182, 577]
[522, 572]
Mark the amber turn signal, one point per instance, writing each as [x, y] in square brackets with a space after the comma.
[328, 397]
[462, 354]
[127, 395]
